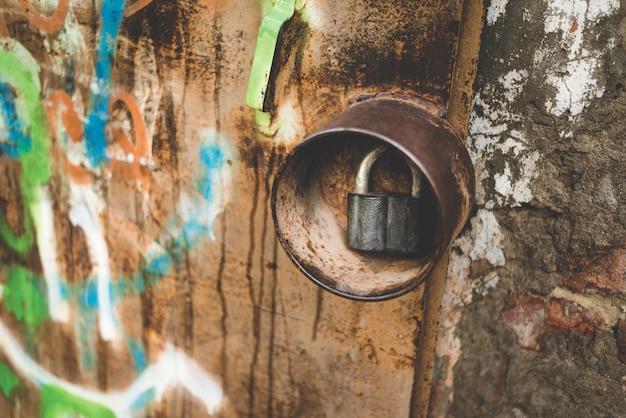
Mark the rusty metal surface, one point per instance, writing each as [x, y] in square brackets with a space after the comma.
[232, 301]
[309, 210]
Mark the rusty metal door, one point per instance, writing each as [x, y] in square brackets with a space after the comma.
[140, 272]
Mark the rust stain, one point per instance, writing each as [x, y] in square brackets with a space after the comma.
[136, 6]
[465, 66]
[420, 57]
[4, 30]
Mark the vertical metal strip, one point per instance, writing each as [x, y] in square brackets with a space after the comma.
[458, 112]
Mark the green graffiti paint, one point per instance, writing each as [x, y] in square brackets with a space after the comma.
[58, 403]
[8, 380]
[264, 51]
[35, 162]
[23, 299]
[21, 243]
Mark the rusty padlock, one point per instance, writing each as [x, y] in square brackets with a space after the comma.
[383, 222]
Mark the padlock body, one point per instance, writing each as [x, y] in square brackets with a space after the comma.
[402, 224]
[367, 221]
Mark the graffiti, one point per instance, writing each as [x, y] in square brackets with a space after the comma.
[134, 160]
[199, 208]
[83, 216]
[55, 402]
[45, 130]
[14, 131]
[60, 106]
[23, 299]
[8, 380]
[36, 170]
[173, 368]
[51, 23]
[110, 20]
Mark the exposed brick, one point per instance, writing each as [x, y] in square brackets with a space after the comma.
[526, 315]
[532, 317]
[566, 315]
[603, 274]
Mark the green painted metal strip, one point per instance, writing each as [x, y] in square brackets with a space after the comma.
[264, 52]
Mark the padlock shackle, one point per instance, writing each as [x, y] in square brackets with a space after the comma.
[361, 183]
[416, 186]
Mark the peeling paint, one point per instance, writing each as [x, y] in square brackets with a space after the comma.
[496, 9]
[577, 82]
[492, 135]
[483, 241]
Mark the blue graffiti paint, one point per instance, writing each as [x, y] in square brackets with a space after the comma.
[89, 294]
[17, 139]
[160, 265]
[212, 158]
[138, 352]
[194, 231]
[84, 330]
[95, 141]
[198, 223]
[144, 399]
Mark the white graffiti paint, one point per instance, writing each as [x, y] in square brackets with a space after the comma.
[173, 368]
[85, 213]
[289, 123]
[43, 217]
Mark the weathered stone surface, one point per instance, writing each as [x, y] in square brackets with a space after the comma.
[547, 140]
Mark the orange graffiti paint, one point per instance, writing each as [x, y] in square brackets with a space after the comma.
[60, 106]
[133, 8]
[139, 153]
[46, 23]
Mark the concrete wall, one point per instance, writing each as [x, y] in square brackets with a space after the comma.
[535, 290]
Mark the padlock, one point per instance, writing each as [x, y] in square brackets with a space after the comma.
[383, 222]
